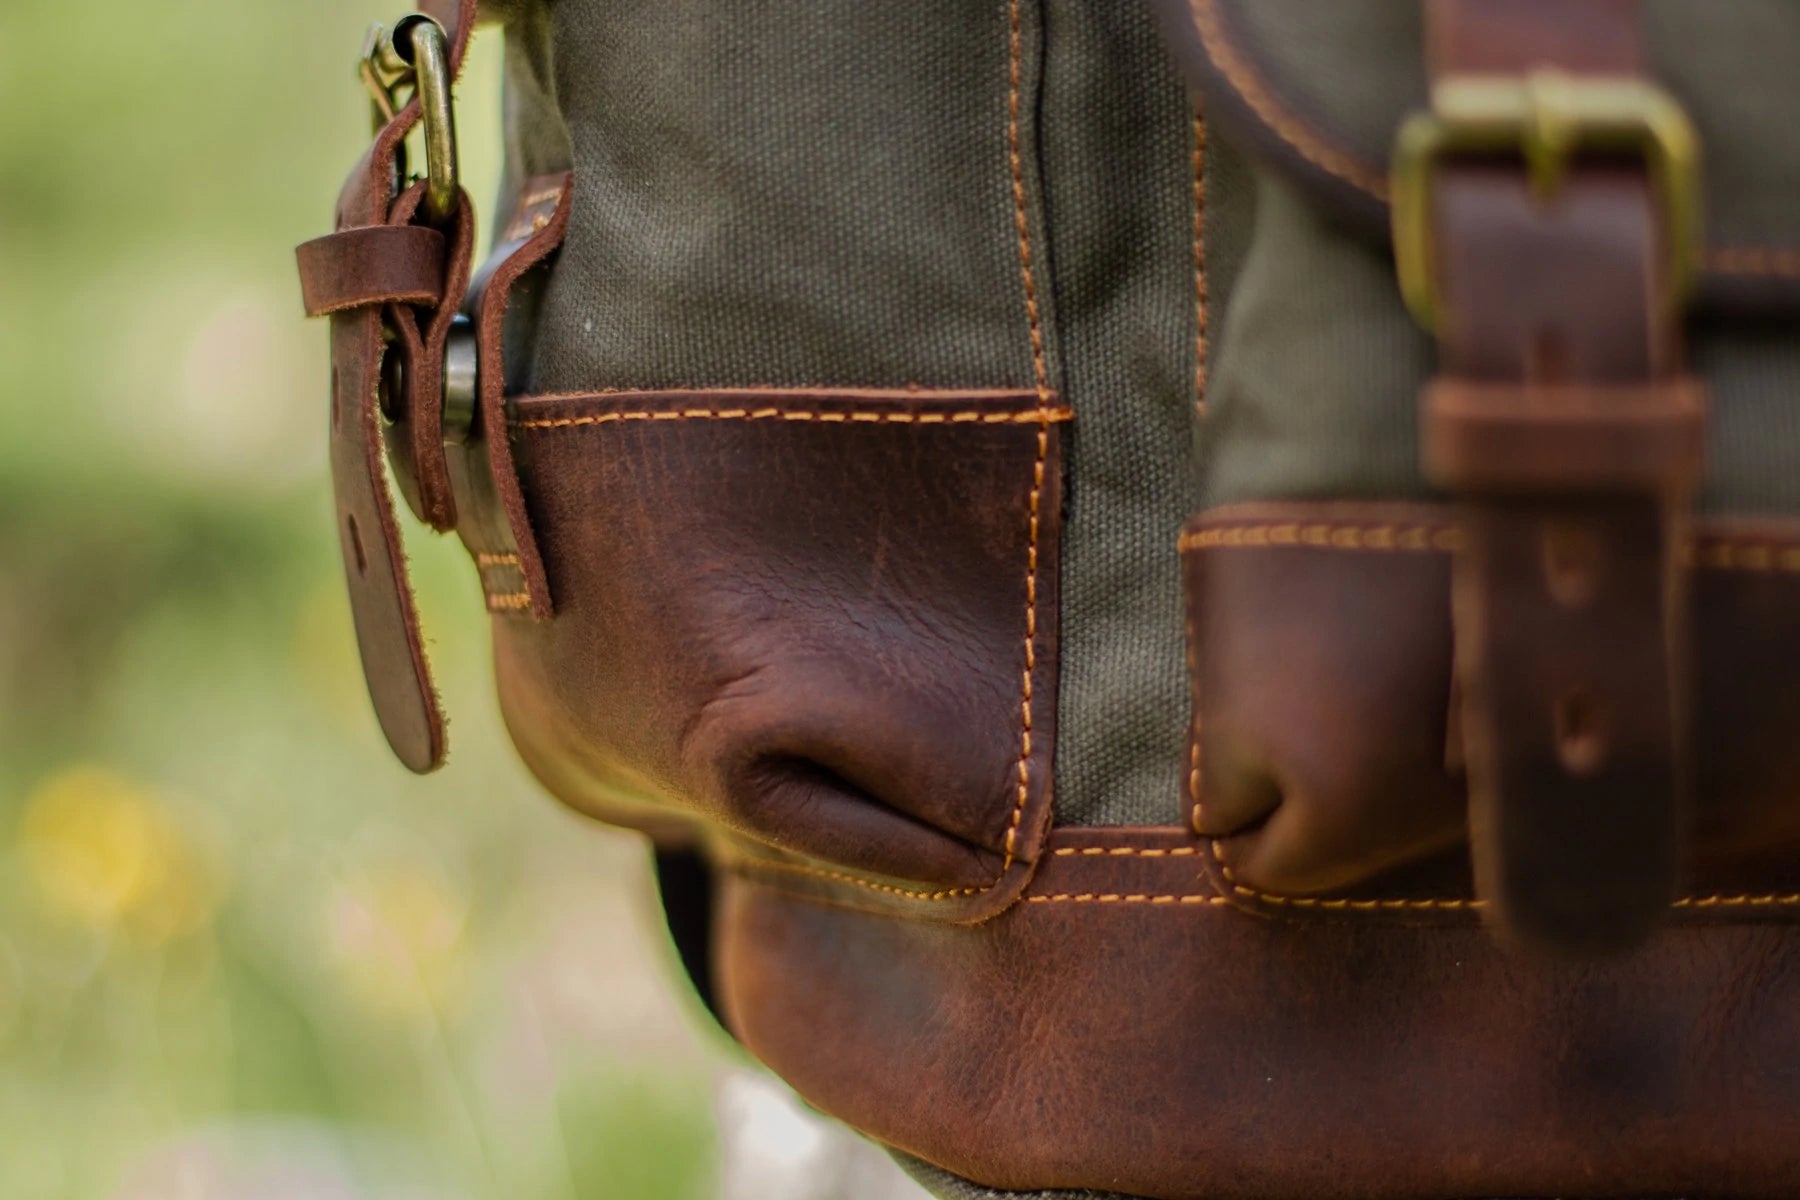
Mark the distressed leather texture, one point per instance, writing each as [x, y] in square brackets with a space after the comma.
[824, 621]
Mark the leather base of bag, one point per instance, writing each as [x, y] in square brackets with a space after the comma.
[1125, 1028]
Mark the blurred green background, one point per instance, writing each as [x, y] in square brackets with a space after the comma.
[242, 952]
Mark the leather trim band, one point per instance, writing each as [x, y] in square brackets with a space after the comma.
[1331, 1060]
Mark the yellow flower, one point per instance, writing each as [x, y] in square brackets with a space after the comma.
[396, 937]
[106, 854]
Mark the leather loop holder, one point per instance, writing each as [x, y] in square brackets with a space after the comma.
[1572, 442]
[390, 286]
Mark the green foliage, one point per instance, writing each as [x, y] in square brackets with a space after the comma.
[238, 944]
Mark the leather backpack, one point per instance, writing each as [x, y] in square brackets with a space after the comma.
[1200, 600]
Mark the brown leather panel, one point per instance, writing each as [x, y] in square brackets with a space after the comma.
[1482, 37]
[371, 265]
[1498, 437]
[1325, 708]
[1122, 1029]
[821, 619]
[1322, 694]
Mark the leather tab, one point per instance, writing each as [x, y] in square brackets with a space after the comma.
[502, 540]
[375, 264]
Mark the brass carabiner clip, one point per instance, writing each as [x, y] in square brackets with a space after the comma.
[415, 53]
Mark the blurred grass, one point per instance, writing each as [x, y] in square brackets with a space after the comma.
[242, 952]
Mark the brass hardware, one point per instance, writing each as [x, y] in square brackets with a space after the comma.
[1548, 119]
[461, 362]
[415, 53]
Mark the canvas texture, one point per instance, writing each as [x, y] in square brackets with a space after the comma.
[821, 193]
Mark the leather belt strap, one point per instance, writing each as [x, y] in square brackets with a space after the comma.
[372, 221]
[1564, 428]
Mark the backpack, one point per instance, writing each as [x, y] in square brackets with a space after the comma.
[1231, 648]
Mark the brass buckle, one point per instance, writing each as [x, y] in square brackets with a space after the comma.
[415, 53]
[1546, 118]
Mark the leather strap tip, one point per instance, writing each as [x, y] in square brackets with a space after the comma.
[1542, 438]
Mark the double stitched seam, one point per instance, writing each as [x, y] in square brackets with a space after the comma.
[1036, 416]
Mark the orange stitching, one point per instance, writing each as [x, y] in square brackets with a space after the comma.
[1200, 292]
[763, 864]
[1713, 900]
[1021, 218]
[509, 603]
[1738, 901]
[1754, 260]
[1193, 669]
[1711, 553]
[1386, 538]
[827, 391]
[1032, 417]
[1113, 898]
[496, 560]
[1123, 852]
[1287, 125]
[1743, 556]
